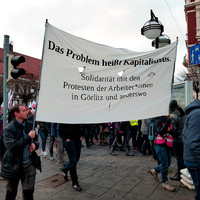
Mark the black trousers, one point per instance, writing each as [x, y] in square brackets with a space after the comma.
[178, 151]
[73, 149]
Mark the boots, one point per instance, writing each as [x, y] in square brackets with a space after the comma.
[176, 177]
[28, 194]
[112, 151]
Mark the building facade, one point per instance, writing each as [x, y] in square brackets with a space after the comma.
[24, 88]
[192, 15]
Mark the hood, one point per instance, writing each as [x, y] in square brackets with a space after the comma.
[177, 112]
[193, 105]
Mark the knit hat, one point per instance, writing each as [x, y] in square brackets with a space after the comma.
[173, 105]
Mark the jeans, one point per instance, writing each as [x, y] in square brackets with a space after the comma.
[195, 174]
[43, 138]
[59, 147]
[131, 134]
[51, 143]
[73, 149]
[164, 155]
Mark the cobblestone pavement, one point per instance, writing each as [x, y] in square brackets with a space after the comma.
[103, 176]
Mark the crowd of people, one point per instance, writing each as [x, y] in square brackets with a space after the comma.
[170, 134]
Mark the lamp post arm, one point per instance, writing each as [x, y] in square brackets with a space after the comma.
[153, 17]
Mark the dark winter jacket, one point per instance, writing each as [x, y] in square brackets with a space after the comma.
[70, 131]
[191, 133]
[16, 140]
[177, 122]
[159, 127]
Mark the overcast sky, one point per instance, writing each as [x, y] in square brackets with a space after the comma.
[115, 23]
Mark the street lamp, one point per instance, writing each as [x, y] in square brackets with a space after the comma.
[161, 41]
[153, 29]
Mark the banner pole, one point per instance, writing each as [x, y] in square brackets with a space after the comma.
[174, 65]
[38, 88]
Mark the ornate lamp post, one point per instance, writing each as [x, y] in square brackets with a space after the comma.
[153, 29]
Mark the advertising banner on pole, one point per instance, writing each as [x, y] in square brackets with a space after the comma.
[85, 82]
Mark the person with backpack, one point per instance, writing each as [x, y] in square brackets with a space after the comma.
[163, 143]
[177, 122]
[191, 143]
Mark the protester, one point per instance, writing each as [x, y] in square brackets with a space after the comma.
[72, 140]
[59, 143]
[31, 115]
[145, 132]
[43, 132]
[151, 137]
[133, 133]
[117, 132]
[139, 139]
[177, 122]
[103, 134]
[163, 143]
[52, 140]
[111, 135]
[86, 133]
[125, 127]
[20, 142]
[191, 142]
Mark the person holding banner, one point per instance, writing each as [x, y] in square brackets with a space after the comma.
[17, 164]
[72, 141]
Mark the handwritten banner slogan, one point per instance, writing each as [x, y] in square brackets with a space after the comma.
[85, 82]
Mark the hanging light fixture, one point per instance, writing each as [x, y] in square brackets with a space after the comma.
[161, 41]
[152, 28]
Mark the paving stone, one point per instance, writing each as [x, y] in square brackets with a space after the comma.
[103, 176]
[97, 190]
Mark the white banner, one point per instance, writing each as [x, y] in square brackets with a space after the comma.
[115, 85]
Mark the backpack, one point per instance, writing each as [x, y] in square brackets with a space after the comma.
[151, 135]
[2, 148]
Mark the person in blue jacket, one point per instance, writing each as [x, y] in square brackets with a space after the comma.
[191, 142]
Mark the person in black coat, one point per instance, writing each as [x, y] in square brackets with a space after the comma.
[20, 142]
[177, 122]
[72, 141]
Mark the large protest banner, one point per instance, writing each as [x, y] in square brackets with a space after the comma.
[99, 94]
